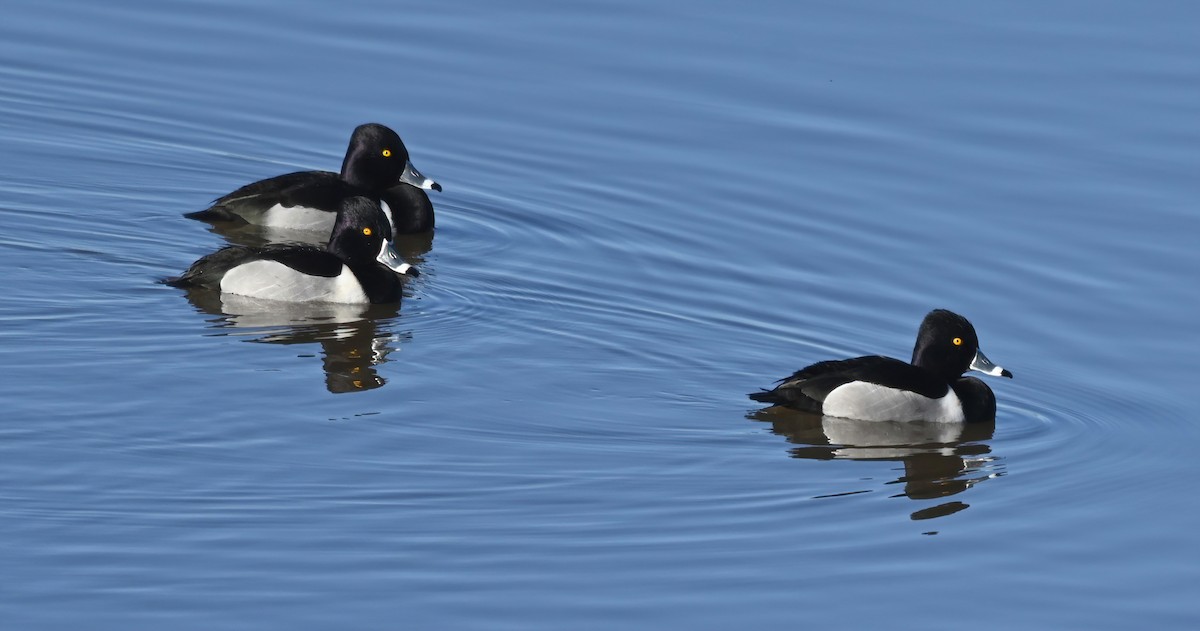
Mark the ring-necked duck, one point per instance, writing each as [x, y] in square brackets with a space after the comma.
[359, 265]
[376, 166]
[875, 388]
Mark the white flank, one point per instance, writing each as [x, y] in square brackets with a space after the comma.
[870, 402]
[271, 280]
[296, 218]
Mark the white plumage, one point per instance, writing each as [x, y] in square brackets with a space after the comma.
[296, 218]
[872, 402]
[272, 280]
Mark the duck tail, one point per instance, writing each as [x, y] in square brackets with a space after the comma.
[216, 213]
[767, 396]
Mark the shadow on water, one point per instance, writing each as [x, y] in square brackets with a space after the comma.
[940, 459]
[351, 340]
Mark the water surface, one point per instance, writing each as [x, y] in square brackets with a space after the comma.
[648, 212]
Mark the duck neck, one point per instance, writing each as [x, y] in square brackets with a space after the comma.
[357, 172]
[936, 362]
[378, 282]
[409, 208]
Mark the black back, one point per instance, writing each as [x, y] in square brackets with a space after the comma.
[209, 270]
[807, 388]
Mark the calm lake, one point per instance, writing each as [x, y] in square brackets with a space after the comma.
[650, 209]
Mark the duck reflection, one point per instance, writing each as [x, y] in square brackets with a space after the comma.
[352, 345]
[940, 459]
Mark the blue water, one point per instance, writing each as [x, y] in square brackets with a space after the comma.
[650, 209]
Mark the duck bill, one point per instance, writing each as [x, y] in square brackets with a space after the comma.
[985, 366]
[413, 177]
[391, 258]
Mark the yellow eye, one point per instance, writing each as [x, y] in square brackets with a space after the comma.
[367, 231]
[957, 341]
[387, 153]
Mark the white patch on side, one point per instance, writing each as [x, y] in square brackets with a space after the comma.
[387, 212]
[870, 402]
[272, 280]
[296, 218]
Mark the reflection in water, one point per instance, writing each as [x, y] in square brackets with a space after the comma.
[351, 344]
[940, 459]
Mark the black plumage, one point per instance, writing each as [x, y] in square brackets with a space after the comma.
[946, 347]
[376, 166]
[356, 242]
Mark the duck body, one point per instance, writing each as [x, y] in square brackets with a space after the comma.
[376, 166]
[359, 265]
[877, 388]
